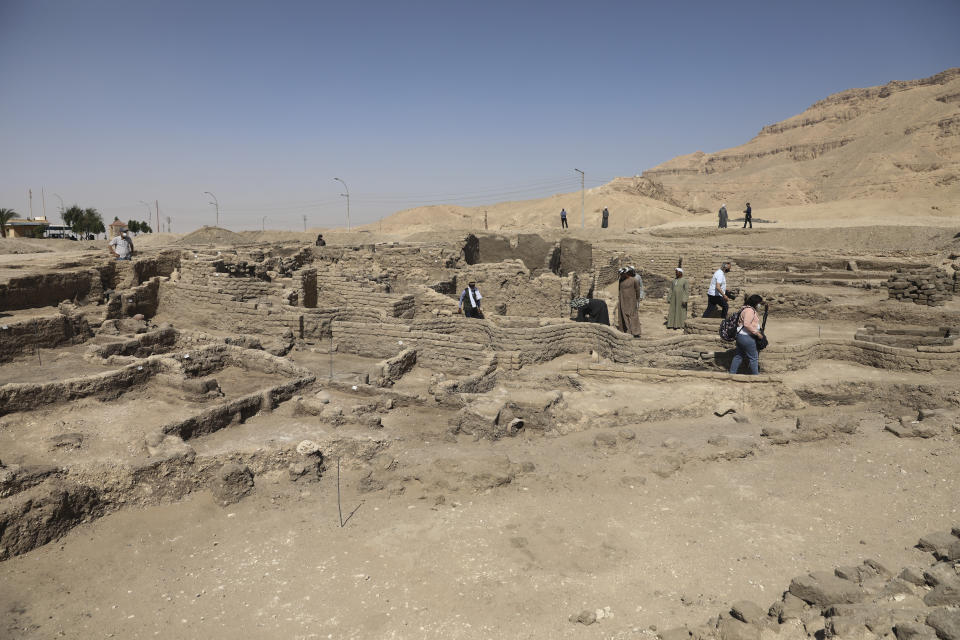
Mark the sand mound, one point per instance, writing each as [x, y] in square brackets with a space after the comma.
[214, 236]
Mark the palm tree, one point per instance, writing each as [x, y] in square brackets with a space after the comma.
[6, 215]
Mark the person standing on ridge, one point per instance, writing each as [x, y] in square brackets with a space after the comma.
[723, 216]
[628, 320]
[677, 299]
[748, 216]
[606, 219]
[563, 219]
[717, 293]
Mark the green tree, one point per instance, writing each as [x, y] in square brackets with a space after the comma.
[73, 218]
[145, 228]
[6, 215]
[92, 221]
[133, 226]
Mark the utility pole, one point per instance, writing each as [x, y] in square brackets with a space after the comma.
[304, 222]
[215, 203]
[43, 200]
[30, 198]
[347, 196]
[168, 224]
[263, 223]
[583, 219]
[157, 205]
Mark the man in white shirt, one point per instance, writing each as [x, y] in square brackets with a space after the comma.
[470, 301]
[717, 293]
[122, 246]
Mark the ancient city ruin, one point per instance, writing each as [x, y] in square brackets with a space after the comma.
[248, 435]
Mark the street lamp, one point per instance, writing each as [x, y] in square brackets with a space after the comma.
[347, 196]
[215, 203]
[263, 223]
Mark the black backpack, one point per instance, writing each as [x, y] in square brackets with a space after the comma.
[728, 328]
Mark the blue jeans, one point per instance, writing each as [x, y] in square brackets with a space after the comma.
[123, 258]
[746, 349]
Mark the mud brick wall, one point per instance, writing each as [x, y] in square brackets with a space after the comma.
[50, 289]
[908, 337]
[146, 344]
[661, 263]
[29, 396]
[932, 287]
[337, 290]
[23, 337]
[508, 289]
[140, 299]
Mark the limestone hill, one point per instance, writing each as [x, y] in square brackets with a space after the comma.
[896, 141]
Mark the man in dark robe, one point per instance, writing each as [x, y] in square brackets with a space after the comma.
[628, 320]
[590, 310]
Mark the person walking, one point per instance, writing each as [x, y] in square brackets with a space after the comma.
[748, 217]
[677, 299]
[591, 310]
[723, 216]
[470, 301]
[605, 220]
[563, 219]
[717, 293]
[748, 332]
[628, 320]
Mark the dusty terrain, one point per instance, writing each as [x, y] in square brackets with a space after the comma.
[239, 434]
[521, 470]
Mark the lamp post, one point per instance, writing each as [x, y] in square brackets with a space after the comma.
[61, 206]
[263, 223]
[215, 203]
[582, 218]
[347, 196]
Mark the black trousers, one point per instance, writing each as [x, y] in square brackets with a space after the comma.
[748, 220]
[716, 301]
[563, 223]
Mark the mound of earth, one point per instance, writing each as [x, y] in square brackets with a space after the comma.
[214, 236]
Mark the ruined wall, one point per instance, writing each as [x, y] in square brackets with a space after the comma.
[508, 289]
[23, 337]
[931, 286]
[50, 289]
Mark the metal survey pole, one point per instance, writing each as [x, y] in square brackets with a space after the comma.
[347, 196]
[215, 203]
[583, 223]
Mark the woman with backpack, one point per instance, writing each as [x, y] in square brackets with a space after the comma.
[748, 332]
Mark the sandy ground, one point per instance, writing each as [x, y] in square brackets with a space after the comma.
[587, 529]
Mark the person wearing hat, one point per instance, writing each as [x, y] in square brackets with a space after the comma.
[470, 301]
[723, 216]
[590, 310]
[677, 298]
[628, 320]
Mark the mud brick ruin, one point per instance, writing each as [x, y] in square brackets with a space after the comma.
[236, 367]
[931, 286]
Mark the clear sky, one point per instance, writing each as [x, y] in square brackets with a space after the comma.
[110, 103]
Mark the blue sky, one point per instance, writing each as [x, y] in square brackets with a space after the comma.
[263, 103]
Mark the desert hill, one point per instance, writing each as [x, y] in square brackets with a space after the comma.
[895, 141]
[890, 152]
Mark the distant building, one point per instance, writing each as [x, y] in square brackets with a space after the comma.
[116, 227]
[26, 228]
